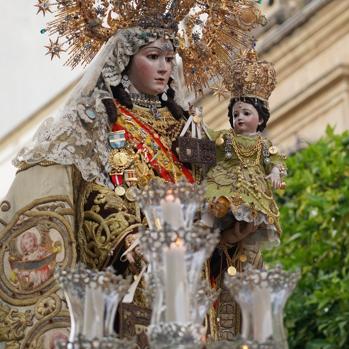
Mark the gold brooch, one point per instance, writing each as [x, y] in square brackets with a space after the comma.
[120, 160]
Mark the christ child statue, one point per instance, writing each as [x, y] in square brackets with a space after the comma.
[239, 188]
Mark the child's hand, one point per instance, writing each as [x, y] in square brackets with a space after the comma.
[275, 178]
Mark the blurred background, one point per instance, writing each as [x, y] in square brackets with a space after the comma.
[307, 40]
[33, 87]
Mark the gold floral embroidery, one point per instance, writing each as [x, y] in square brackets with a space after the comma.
[48, 306]
[107, 219]
[38, 238]
[13, 323]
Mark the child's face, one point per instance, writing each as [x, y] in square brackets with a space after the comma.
[245, 118]
[29, 242]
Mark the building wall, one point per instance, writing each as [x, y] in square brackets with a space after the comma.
[312, 66]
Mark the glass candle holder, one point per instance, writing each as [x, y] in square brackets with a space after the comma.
[172, 204]
[92, 299]
[262, 295]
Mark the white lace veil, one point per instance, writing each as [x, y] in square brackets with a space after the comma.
[78, 134]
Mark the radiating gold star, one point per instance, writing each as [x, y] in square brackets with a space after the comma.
[43, 6]
[54, 49]
[220, 90]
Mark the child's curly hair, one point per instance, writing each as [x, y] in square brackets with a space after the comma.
[261, 107]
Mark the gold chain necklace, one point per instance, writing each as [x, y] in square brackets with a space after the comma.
[144, 100]
[250, 151]
[167, 126]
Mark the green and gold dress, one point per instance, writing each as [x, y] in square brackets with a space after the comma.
[237, 184]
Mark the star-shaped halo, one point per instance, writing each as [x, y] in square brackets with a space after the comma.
[54, 49]
[220, 90]
[43, 6]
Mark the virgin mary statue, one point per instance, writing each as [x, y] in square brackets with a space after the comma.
[73, 198]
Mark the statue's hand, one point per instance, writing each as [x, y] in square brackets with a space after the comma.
[275, 178]
[133, 253]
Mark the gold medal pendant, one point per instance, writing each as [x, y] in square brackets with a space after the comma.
[119, 190]
[131, 194]
[232, 271]
[120, 159]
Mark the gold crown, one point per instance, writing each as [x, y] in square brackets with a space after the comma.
[250, 77]
[211, 32]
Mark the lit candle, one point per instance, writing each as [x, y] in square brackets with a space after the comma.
[94, 312]
[176, 288]
[172, 211]
[263, 327]
[98, 307]
[88, 311]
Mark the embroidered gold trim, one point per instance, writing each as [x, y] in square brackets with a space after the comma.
[25, 166]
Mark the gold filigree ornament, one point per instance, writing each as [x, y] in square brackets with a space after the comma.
[236, 201]
[220, 90]
[13, 323]
[205, 31]
[271, 220]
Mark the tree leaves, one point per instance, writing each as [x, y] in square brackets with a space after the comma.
[315, 219]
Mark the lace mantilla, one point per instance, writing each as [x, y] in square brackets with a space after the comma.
[78, 137]
[266, 235]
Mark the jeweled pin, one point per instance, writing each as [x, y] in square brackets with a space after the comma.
[91, 114]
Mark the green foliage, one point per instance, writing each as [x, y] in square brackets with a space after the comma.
[315, 220]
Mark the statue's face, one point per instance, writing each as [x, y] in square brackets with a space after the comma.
[151, 67]
[245, 118]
